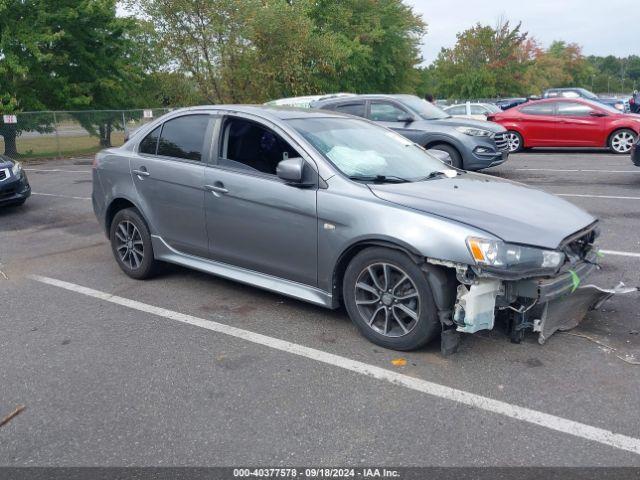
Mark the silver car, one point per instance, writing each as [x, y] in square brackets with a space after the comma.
[336, 210]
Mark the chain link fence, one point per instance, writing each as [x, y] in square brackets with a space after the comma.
[31, 135]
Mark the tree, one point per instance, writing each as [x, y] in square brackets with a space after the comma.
[66, 54]
[255, 50]
[485, 62]
[379, 41]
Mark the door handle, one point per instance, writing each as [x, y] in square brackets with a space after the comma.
[142, 172]
[216, 189]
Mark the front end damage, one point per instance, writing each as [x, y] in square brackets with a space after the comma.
[544, 304]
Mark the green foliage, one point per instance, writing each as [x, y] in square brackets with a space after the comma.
[67, 54]
[255, 50]
[485, 62]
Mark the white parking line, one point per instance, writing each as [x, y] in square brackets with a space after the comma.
[575, 170]
[56, 170]
[552, 422]
[621, 254]
[612, 197]
[60, 196]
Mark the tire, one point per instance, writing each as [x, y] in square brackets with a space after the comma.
[515, 141]
[456, 158]
[378, 315]
[131, 244]
[621, 141]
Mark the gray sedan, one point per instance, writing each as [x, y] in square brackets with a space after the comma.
[336, 210]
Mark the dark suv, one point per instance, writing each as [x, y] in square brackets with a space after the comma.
[471, 144]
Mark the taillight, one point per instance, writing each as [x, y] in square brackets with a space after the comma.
[94, 165]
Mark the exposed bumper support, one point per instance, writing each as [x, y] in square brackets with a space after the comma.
[567, 312]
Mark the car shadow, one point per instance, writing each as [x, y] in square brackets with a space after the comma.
[556, 151]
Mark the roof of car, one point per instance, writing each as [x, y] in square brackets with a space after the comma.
[366, 96]
[270, 111]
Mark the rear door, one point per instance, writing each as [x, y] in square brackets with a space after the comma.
[577, 125]
[168, 172]
[357, 108]
[538, 122]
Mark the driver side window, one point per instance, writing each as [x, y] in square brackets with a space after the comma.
[251, 147]
[385, 112]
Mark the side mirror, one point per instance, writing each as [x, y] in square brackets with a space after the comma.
[405, 118]
[291, 170]
[593, 113]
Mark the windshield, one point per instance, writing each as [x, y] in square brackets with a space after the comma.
[588, 94]
[363, 151]
[602, 106]
[426, 110]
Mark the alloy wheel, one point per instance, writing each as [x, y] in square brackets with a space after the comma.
[513, 141]
[387, 299]
[622, 142]
[129, 244]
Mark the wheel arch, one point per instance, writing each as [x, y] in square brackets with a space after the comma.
[117, 204]
[617, 129]
[442, 280]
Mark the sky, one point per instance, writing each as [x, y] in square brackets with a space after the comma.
[602, 27]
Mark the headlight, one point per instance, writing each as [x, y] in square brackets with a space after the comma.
[16, 169]
[619, 106]
[474, 132]
[496, 254]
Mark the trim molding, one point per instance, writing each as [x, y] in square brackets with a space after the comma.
[166, 253]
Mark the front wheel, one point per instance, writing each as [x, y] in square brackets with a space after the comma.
[454, 154]
[514, 141]
[389, 299]
[131, 244]
[622, 141]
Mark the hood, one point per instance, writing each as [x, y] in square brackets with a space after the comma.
[511, 211]
[468, 122]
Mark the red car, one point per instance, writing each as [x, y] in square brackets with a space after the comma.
[568, 122]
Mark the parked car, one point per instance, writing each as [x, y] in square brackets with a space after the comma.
[635, 153]
[14, 185]
[476, 111]
[618, 104]
[507, 103]
[471, 144]
[332, 209]
[568, 123]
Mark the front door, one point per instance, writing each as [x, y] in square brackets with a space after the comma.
[254, 219]
[577, 127]
[394, 116]
[168, 173]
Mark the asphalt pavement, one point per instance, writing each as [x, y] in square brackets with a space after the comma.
[190, 369]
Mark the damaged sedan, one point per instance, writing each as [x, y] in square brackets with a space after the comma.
[336, 210]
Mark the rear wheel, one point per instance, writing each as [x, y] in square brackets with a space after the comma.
[621, 141]
[388, 298]
[514, 141]
[131, 244]
[456, 158]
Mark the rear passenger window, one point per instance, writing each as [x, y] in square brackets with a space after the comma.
[150, 143]
[574, 109]
[356, 109]
[457, 110]
[183, 137]
[541, 109]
